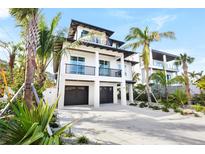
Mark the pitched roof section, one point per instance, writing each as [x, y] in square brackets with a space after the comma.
[74, 24]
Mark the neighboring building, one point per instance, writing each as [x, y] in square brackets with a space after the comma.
[91, 73]
[160, 60]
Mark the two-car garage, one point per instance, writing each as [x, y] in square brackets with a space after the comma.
[79, 95]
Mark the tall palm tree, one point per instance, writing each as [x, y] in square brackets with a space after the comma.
[144, 38]
[184, 60]
[23, 18]
[12, 50]
[45, 51]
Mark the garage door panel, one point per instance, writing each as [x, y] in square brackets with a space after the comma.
[106, 95]
[76, 95]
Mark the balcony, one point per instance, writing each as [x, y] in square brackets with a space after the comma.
[110, 72]
[168, 66]
[79, 69]
[90, 70]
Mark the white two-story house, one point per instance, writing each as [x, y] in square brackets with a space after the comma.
[93, 72]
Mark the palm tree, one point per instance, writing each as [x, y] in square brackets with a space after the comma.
[12, 50]
[193, 75]
[184, 60]
[45, 51]
[137, 38]
[161, 78]
[23, 18]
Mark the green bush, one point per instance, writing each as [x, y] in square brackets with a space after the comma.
[199, 99]
[30, 126]
[165, 109]
[178, 98]
[198, 108]
[177, 110]
[82, 140]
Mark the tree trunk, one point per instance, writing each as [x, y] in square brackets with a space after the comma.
[41, 76]
[147, 86]
[166, 92]
[11, 65]
[28, 95]
[187, 85]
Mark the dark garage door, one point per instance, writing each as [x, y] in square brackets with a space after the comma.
[106, 95]
[76, 95]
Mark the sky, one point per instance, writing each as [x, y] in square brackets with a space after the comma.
[188, 25]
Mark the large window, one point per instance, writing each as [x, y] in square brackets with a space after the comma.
[77, 65]
[104, 67]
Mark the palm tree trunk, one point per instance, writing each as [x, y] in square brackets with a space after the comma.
[147, 86]
[187, 85]
[41, 76]
[30, 71]
[166, 92]
[11, 65]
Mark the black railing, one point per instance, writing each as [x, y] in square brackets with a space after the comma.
[79, 69]
[110, 72]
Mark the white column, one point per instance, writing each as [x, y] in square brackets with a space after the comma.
[96, 94]
[131, 93]
[61, 84]
[115, 94]
[97, 82]
[123, 84]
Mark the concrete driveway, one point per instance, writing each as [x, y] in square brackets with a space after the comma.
[116, 124]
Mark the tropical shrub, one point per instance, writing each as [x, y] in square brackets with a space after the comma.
[198, 108]
[179, 98]
[30, 126]
[199, 99]
[165, 109]
[201, 83]
[82, 140]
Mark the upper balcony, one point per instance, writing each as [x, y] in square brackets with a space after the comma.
[168, 66]
[90, 70]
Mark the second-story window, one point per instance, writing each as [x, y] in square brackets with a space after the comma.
[77, 65]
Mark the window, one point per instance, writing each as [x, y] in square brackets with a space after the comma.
[84, 33]
[104, 67]
[77, 65]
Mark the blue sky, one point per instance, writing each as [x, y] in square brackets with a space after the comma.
[188, 25]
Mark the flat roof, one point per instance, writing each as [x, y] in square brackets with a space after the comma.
[164, 53]
[75, 23]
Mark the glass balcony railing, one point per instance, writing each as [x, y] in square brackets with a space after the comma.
[160, 64]
[110, 72]
[79, 69]
[90, 70]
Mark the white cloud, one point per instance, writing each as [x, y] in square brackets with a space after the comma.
[4, 13]
[122, 14]
[163, 19]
